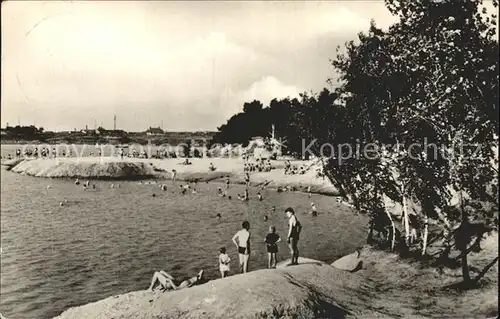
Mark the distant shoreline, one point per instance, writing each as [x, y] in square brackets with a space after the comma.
[114, 168]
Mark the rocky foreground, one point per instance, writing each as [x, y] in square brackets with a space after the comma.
[365, 284]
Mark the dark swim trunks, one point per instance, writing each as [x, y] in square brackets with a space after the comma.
[273, 249]
[271, 240]
[243, 250]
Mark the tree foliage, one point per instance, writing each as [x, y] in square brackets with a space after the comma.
[428, 88]
[415, 118]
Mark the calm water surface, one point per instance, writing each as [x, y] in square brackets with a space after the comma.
[110, 240]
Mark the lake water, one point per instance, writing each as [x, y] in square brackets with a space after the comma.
[108, 241]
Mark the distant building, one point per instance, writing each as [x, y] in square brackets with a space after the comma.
[154, 131]
[110, 133]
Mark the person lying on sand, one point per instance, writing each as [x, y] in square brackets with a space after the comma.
[166, 281]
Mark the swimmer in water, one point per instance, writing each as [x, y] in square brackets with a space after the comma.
[77, 182]
[265, 218]
[314, 211]
[183, 189]
[93, 186]
[154, 195]
[274, 209]
[218, 216]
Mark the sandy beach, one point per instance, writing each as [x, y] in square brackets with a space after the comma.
[138, 168]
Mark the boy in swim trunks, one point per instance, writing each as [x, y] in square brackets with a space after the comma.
[242, 241]
[272, 239]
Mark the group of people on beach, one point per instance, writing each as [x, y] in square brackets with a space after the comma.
[294, 169]
[261, 165]
[242, 242]
[43, 152]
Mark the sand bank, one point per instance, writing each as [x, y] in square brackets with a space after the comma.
[134, 168]
[84, 168]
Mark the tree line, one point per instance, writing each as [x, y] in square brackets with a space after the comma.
[429, 79]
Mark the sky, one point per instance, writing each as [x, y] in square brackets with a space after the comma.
[183, 65]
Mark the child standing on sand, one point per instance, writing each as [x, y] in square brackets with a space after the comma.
[224, 263]
[272, 240]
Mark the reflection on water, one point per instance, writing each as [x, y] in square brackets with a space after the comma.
[110, 240]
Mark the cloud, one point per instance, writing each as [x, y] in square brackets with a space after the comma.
[191, 65]
[269, 88]
[348, 21]
[264, 90]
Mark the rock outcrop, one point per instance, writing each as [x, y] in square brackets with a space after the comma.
[72, 168]
[307, 290]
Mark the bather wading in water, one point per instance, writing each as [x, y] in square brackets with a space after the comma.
[166, 281]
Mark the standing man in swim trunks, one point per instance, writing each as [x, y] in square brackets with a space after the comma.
[293, 235]
[174, 175]
[226, 187]
[242, 241]
[247, 180]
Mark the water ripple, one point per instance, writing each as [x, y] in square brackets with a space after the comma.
[110, 241]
